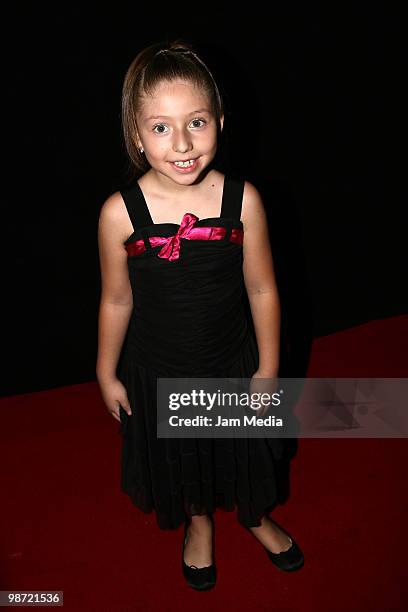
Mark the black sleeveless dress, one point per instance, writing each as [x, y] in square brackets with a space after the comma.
[189, 320]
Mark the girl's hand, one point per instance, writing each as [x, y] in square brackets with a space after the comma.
[114, 395]
[263, 382]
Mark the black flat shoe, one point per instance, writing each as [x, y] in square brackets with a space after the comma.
[199, 578]
[287, 560]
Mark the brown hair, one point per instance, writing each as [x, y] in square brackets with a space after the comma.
[156, 63]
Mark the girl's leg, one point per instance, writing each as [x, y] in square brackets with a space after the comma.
[271, 536]
[198, 548]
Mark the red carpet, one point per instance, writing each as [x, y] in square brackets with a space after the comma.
[66, 525]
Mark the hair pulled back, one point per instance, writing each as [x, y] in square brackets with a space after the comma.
[154, 64]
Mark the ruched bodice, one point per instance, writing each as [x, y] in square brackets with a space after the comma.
[188, 316]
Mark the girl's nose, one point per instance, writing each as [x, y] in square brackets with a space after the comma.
[182, 142]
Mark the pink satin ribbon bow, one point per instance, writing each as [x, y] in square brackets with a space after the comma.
[171, 244]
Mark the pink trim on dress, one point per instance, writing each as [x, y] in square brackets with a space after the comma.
[171, 244]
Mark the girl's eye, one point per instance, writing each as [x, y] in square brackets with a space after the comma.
[159, 125]
[160, 128]
[197, 120]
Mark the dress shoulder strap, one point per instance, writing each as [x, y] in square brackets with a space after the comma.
[232, 197]
[136, 206]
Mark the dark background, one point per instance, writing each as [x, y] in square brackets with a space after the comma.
[313, 103]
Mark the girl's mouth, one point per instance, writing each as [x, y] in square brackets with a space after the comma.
[185, 167]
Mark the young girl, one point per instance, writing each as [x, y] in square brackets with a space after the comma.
[178, 249]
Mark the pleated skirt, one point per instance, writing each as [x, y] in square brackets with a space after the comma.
[181, 477]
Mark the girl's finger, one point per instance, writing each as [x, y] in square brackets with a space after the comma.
[115, 415]
[126, 408]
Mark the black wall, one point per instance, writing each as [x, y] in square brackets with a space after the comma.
[313, 105]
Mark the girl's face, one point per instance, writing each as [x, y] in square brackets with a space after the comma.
[178, 130]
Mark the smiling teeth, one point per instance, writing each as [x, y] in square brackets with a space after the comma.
[184, 164]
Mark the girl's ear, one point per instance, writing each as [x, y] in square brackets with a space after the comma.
[222, 121]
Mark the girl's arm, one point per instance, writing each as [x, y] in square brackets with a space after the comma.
[116, 293]
[260, 281]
